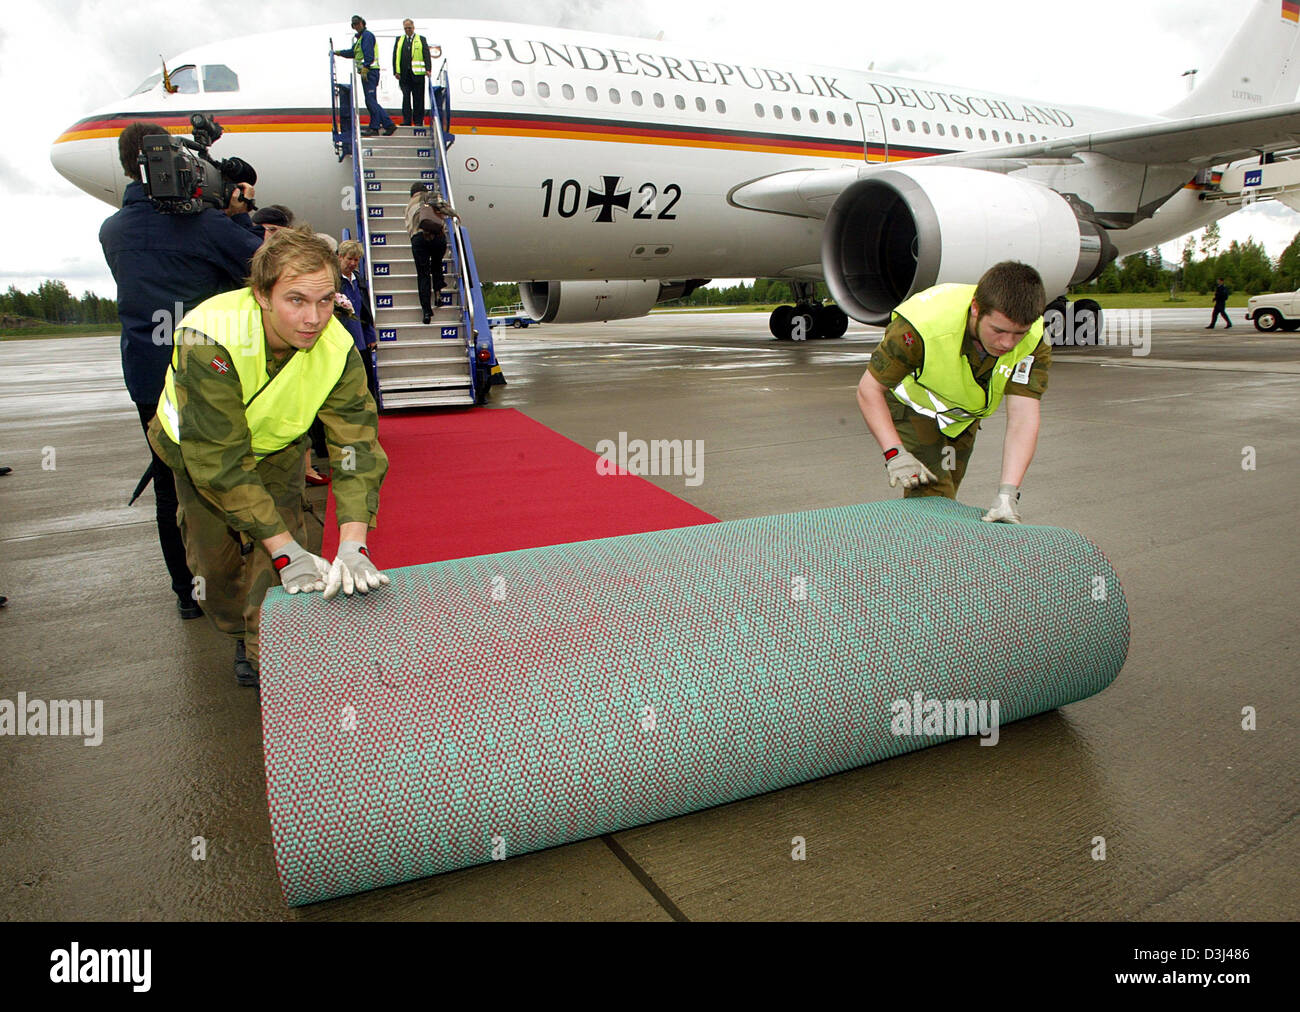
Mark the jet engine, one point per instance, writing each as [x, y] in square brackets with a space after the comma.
[597, 301]
[899, 231]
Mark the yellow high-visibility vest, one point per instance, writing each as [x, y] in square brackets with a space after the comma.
[419, 65]
[279, 410]
[944, 388]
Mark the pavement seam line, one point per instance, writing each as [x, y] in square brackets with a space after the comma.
[642, 876]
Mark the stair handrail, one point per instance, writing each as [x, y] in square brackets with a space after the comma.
[473, 309]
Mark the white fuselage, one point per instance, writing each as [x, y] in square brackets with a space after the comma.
[585, 156]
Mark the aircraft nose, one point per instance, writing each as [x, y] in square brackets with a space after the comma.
[88, 160]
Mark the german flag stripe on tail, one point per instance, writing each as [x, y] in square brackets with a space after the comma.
[1291, 10]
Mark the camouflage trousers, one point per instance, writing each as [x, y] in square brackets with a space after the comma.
[945, 456]
[236, 571]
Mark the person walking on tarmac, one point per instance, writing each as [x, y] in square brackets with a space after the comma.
[411, 68]
[364, 58]
[250, 370]
[1220, 304]
[947, 358]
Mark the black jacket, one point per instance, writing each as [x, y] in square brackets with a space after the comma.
[397, 54]
[159, 260]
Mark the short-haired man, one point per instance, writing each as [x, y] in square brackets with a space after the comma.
[250, 371]
[411, 68]
[164, 266]
[948, 356]
[364, 58]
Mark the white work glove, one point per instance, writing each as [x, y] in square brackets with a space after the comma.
[299, 570]
[1006, 506]
[905, 468]
[353, 570]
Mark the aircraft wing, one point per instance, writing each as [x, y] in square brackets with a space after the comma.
[1179, 147]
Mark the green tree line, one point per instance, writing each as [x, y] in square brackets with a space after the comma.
[52, 302]
[1244, 267]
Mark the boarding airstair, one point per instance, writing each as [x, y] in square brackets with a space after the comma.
[451, 360]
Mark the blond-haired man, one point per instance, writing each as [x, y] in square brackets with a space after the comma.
[250, 370]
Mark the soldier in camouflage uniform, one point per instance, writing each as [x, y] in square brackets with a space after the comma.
[249, 372]
[983, 341]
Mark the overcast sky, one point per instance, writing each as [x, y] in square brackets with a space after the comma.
[65, 58]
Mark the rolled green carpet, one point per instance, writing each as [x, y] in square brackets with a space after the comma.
[482, 708]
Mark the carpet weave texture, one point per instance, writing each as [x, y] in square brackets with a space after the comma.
[486, 707]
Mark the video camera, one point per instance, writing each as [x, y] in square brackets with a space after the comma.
[182, 178]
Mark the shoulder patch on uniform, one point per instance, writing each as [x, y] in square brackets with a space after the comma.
[220, 364]
[908, 339]
[1021, 375]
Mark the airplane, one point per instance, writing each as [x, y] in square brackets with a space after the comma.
[606, 174]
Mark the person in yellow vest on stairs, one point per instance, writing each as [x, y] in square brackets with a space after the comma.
[947, 358]
[411, 68]
[250, 370]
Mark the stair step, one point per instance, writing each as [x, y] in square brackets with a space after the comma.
[429, 399]
[390, 386]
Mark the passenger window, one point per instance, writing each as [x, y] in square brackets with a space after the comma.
[982, 137]
[812, 115]
[636, 98]
[491, 86]
[543, 89]
[721, 106]
[614, 96]
[659, 101]
[830, 118]
[591, 94]
[969, 136]
[925, 126]
[517, 87]
[759, 111]
[941, 130]
[1020, 138]
[911, 127]
[567, 91]
[219, 77]
[776, 111]
[467, 85]
[795, 114]
[848, 120]
[895, 124]
[679, 101]
[995, 136]
[701, 105]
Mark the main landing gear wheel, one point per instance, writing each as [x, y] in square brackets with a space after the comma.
[1083, 308]
[779, 322]
[832, 322]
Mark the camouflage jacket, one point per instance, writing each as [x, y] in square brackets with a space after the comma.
[902, 351]
[217, 455]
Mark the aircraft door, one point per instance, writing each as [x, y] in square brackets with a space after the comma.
[875, 142]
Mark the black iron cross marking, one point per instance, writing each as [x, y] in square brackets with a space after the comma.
[608, 200]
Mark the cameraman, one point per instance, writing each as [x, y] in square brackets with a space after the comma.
[164, 266]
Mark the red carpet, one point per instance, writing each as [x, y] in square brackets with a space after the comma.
[493, 480]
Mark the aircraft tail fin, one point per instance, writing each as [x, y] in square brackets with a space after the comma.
[1259, 67]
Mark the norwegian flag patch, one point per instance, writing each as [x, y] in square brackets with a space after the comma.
[908, 339]
[220, 364]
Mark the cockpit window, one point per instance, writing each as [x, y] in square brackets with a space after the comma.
[185, 80]
[148, 83]
[219, 77]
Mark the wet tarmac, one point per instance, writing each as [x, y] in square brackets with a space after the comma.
[1141, 453]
